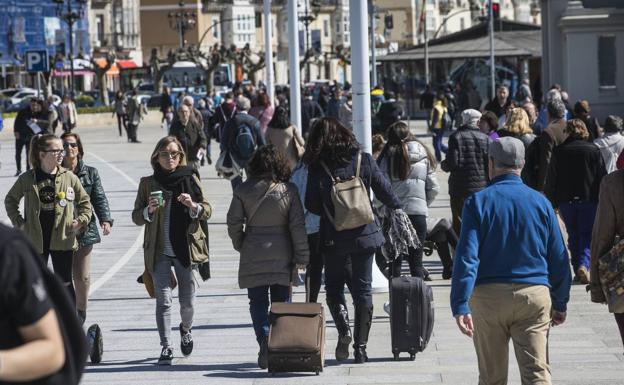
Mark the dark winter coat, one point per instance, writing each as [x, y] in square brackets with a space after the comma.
[228, 141]
[575, 172]
[389, 112]
[91, 182]
[318, 193]
[496, 108]
[191, 136]
[467, 161]
[309, 110]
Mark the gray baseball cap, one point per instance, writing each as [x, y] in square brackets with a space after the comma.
[507, 151]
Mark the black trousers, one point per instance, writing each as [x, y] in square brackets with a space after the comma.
[415, 256]
[19, 145]
[132, 132]
[62, 262]
[315, 269]
[121, 122]
[354, 270]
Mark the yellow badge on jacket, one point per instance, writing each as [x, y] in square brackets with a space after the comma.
[70, 194]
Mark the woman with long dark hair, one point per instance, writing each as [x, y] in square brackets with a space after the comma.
[266, 224]
[262, 110]
[119, 109]
[286, 137]
[91, 182]
[56, 206]
[332, 153]
[410, 168]
[170, 204]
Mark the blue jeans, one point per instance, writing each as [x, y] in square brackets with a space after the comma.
[259, 305]
[361, 278]
[438, 146]
[579, 221]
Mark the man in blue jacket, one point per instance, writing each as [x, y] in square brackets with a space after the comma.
[511, 277]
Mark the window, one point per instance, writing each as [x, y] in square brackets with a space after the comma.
[326, 28]
[606, 61]
[338, 27]
[215, 28]
[99, 21]
[258, 20]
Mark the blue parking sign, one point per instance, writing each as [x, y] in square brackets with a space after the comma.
[37, 60]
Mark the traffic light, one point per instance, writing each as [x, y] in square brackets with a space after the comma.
[496, 10]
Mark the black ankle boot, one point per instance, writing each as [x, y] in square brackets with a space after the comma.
[263, 354]
[341, 319]
[363, 320]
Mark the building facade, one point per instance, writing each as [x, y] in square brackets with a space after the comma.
[583, 50]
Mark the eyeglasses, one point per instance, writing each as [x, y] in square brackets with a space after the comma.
[55, 152]
[68, 144]
[167, 154]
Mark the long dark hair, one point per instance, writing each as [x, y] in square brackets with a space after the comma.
[269, 162]
[330, 141]
[396, 153]
[280, 118]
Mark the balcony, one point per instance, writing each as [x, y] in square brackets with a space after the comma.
[100, 4]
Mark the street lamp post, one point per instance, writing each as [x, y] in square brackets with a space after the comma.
[70, 17]
[182, 22]
[308, 18]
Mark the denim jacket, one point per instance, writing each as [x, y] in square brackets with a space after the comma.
[300, 179]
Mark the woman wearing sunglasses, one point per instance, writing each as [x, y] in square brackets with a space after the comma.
[171, 203]
[56, 206]
[90, 180]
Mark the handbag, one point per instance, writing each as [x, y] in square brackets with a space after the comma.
[146, 279]
[611, 274]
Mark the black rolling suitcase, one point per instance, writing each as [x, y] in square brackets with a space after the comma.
[411, 315]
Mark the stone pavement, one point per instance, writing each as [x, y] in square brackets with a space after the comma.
[585, 350]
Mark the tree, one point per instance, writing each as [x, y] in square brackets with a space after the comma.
[159, 67]
[208, 61]
[100, 74]
[251, 62]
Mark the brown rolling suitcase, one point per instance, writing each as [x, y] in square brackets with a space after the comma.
[296, 337]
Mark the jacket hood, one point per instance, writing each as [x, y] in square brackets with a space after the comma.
[417, 151]
[609, 139]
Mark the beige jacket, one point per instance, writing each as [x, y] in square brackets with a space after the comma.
[78, 207]
[284, 140]
[609, 222]
[153, 240]
[275, 239]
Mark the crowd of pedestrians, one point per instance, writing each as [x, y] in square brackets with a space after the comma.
[518, 177]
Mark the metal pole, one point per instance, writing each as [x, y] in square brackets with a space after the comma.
[426, 44]
[181, 33]
[293, 58]
[38, 85]
[70, 23]
[268, 50]
[492, 63]
[373, 43]
[306, 23]
[360, 78]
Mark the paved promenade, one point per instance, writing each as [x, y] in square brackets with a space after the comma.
[585, 350]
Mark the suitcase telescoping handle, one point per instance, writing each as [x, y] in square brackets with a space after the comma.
[307, 288]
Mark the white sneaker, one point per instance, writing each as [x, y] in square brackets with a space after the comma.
[386, 307]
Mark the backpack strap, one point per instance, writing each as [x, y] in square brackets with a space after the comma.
[359, 162]
[254, 210]
[328, 172]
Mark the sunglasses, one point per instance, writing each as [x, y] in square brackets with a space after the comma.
[55, 152]
[167, 154]
[72, 145]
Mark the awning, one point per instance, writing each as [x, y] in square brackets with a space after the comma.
[125, 64]
[506, 44]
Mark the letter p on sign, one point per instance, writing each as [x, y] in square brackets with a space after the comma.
[37, 61]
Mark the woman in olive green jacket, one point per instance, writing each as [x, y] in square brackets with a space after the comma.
[56, 207]
[171, 203]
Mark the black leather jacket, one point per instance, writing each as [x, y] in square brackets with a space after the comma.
[90, 179]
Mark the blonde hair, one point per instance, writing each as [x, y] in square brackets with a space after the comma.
[518, 122]
[38, 144]
[162, 144]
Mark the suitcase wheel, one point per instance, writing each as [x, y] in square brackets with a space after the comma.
[412, 357]
[396, 356]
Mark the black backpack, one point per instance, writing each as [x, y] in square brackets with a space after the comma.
[74, 340]
[530, 172]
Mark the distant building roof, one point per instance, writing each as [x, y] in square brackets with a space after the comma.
[511, 39]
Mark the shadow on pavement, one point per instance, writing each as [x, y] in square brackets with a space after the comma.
[199, 327]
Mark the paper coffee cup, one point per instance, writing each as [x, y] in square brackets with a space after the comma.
[158, 195]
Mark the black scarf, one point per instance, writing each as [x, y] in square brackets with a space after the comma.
[179, 181]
